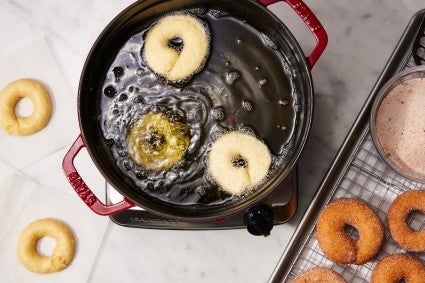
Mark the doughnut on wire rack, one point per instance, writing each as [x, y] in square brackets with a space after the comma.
[358, 172]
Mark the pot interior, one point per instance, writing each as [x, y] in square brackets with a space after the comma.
[256, 77]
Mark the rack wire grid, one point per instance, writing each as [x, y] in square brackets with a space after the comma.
[367, 177]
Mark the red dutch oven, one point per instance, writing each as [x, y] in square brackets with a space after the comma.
[128, 23]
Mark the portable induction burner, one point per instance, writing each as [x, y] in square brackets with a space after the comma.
[277, 208]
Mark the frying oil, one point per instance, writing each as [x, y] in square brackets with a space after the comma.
[242, 87]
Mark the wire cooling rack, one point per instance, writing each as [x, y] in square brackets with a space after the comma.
[357, 172]
[367, 178]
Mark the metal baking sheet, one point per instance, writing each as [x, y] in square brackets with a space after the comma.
[358, 172]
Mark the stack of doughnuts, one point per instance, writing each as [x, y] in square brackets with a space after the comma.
[341, 248]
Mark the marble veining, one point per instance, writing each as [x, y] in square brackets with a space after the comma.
[362, 35]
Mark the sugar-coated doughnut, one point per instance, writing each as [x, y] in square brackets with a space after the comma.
[156, 143]
[63, 251]
[398, 213]
[336, 244]
[398, 268]
[40, 99]
[238, 161]
[177, 63]
[319, 275]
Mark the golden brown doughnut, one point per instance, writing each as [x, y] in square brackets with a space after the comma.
[40, 99]
[177, 65]
[156, 142]
[398, 212]
[62, 254]
[397, 267]
[334, 241]
[319, 275]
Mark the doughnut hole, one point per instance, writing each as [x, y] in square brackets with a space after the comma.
[416, 220]
[239, 161]
[352, 232]
[24, 107]
[176, 43]
[45, 246]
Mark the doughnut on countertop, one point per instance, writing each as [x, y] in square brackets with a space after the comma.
[398, 213]
[40, 99]
[397, 267]
[340, 247]
[63, 251]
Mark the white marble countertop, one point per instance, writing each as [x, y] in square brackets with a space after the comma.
[362, 35]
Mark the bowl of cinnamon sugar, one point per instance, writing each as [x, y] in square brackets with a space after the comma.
[397, 123]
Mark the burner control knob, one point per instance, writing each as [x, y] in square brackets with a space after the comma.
[259, 220]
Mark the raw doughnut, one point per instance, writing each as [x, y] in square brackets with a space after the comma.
[40, 99]
[238, 161]
[398, 268]
[336, 244]
[157, 143]
[177, 63]
[62, 253]
[398, 213]
[319, 275]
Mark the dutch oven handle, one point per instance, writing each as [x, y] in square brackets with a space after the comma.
[312, 23]
[82, 189]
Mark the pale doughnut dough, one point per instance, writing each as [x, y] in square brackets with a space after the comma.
[235, 179]
[40, 99]
[62, 254]
[169, 63]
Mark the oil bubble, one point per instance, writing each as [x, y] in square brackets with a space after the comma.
[231, 77]
[110, 91]
[218, 113]
[268, 42]
[201, 190]
[218, 13]
[138, 99]
[126, 165]
[198, 11]
[262, 82]
[215, 135]
[118, 72]
[141, 175]
[283, 102]
[247, 106]
[110, 142]
[123, 97]
[247, 130]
